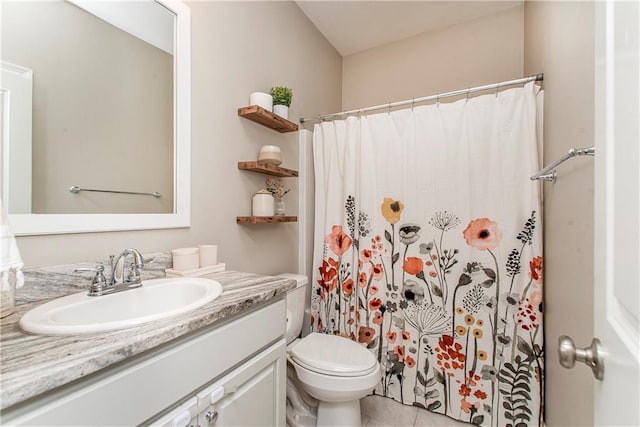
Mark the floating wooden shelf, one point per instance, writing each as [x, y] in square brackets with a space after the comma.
[267, 118]
[267, 168]
[265, 219]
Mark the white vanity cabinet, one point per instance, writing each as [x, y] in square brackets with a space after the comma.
[231, 374]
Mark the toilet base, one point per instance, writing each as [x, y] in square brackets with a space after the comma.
[332, 414]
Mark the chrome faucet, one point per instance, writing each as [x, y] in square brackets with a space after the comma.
[121, 278]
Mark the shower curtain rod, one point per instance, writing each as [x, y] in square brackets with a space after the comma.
[497, 86]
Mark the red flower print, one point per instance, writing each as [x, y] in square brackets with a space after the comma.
[399, 351]
[373, 290]
[375, 304]
[464, 390]
[327, 270]
[410, 362]
[406, 335]
[449, 355]
[428, 263]
[378, 238]
[433, 274]
[347, 286]
[412, 265]
[465, 406]
[391, 337]
[328, 273]
[535, 269]
[362, 280]
[377, 318]
[482, 234]
[529, 315]
[480, 394]
[338, 241]
[366, 334]
[376, 271]
[365, 255]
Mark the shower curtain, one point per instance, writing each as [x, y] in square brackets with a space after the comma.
[428, 252]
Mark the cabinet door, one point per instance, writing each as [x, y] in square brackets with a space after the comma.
[254, 394]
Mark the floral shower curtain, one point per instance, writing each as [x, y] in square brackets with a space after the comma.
[428, 252]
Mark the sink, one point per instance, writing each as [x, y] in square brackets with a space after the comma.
[154, 300]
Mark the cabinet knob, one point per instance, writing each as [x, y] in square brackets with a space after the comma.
[211, 416]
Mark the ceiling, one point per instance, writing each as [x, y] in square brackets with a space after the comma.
[354, 26]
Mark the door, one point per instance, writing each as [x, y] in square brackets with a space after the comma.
[617, 211]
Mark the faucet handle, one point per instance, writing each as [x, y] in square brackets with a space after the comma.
[133, 274]
[99, 282]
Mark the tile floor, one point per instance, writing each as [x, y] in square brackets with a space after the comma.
[380, 411]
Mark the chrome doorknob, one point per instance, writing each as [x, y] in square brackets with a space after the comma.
[590, 356]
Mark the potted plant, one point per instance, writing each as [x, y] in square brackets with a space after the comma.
[281, 100]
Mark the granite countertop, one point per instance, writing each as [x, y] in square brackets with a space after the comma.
[34, 364]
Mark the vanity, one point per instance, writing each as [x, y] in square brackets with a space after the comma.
[223, 363]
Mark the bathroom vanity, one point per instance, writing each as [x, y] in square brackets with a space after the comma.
[222, 363]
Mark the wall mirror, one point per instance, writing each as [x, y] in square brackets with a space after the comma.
[95, 96]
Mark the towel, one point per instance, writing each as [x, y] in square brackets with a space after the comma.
[11, 276]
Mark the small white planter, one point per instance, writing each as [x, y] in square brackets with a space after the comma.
[261, 99]
[282, 111]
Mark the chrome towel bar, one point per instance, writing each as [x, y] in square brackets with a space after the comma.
[75, 190]
[549, 173]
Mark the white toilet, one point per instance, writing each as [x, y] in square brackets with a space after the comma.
[335, 370]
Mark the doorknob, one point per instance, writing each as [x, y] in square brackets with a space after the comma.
[590, 356]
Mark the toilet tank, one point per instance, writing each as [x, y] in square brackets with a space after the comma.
[295, 305]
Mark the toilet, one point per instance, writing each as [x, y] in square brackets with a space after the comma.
[336, 371]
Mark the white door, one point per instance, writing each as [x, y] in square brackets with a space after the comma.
[617, 211]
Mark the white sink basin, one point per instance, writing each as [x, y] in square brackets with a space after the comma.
[154, 300]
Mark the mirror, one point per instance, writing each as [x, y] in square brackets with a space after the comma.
[96, 96]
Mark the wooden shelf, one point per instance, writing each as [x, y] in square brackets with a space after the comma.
[267, 118]
[265, 219]
[267, 169]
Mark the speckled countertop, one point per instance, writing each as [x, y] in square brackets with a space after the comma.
[33, 364]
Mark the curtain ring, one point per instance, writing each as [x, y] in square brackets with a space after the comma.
[497, 89]
[467, 100]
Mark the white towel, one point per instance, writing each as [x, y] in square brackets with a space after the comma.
[10, 261]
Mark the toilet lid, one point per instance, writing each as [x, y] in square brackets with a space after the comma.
[333, 355]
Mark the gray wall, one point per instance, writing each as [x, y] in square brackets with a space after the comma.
[102, 102]
[559, 41]
[482, 51]
[237, 48]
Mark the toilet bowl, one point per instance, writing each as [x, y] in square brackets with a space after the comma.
[336, 371]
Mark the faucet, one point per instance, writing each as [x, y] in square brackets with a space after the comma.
[120, 279]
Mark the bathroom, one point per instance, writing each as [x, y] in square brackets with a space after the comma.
[238, 48]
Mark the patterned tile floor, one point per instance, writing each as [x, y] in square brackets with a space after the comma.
[379, 411]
